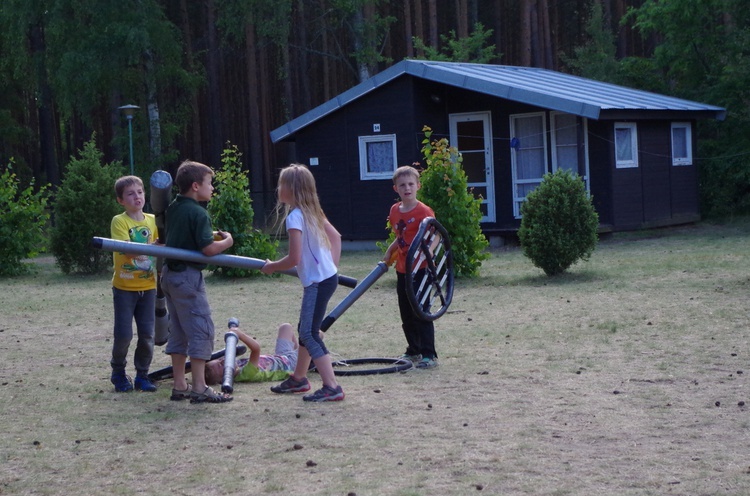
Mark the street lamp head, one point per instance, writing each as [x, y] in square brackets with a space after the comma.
[129, 110]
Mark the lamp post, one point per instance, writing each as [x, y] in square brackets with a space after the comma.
[129, 110]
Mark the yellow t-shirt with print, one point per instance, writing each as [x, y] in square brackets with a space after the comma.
[137, 272]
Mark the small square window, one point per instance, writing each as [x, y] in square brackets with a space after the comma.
[682, 144]
[377, 156]
[626, 145]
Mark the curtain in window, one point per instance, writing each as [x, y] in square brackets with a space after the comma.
[679, 142]
[566, 142]
[380, 156]
[624, 144]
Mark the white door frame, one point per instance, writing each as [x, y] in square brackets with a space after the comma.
[489, 173]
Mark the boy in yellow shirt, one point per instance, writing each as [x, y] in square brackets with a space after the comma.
[133, 288]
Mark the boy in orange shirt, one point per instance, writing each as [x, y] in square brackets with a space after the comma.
[404, 218]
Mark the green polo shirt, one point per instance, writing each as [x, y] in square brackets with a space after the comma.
[188, 227]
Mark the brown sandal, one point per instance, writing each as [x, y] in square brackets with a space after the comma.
[181, 394]
[209, 396]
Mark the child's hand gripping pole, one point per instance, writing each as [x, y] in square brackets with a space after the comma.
[230, 340]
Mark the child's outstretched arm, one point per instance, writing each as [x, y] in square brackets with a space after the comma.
[291, 259]
[334, 237]
[251, 343]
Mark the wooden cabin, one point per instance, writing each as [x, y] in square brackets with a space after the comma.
[634, 149]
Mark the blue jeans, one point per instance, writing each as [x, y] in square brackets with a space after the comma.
[315, 298]
[129, 305]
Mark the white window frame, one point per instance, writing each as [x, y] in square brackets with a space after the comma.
[364, 171]
[688, 159]
[633, 162]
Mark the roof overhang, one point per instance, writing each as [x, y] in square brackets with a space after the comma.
[539, 87]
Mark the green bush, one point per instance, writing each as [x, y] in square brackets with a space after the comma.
[559, 223]
[445, 190]
[23, 216]
[231, 210]
[84, 207]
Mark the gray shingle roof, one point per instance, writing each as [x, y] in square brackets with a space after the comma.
[540, 87]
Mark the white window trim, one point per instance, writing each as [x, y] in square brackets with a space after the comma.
[364, 173]
[622, 164]
[688, 143]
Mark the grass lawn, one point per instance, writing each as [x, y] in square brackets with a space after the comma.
[628, 375]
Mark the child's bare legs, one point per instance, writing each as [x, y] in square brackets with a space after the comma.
[178, 372]
[322, 364]
[286, 331]
[303, 364]
[325, 369]
[198, 371]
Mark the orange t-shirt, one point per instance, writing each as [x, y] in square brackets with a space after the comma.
[406, 225]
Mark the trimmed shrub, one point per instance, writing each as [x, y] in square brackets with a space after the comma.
[23, 217]
[231, 210]
[84, 206]
[559, 223]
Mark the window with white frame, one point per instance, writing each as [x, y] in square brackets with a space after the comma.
[682, 144]
[377, 156]
[626, 145]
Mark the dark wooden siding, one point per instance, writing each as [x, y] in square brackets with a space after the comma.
[655, 164]
[685, 192]
[600, 170]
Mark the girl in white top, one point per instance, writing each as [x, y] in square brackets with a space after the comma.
[314, 249]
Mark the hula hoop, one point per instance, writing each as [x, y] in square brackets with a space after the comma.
[393, 365]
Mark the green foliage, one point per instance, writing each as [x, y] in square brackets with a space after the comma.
[23, 216]
[470, 49]
[595, 59]
[559, 223]
[231, 210]
[702, 55]
[445, 190]
[84, 206]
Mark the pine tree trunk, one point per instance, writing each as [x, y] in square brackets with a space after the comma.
[408, 34]
[255, 156]
[419, 24]
[214, 88]
[432, 14]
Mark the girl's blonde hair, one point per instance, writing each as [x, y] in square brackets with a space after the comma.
[300, 183]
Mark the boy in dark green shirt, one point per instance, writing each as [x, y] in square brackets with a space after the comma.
[191, 327]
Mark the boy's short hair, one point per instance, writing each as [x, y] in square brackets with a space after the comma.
[125, 182]
[405, 170]
[190, 172]
[214, 371]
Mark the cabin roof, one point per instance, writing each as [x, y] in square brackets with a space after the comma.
[540, 87]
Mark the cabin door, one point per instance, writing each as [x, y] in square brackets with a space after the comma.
[471, 134]
[528, 155]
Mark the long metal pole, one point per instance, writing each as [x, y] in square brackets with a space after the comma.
[368, 281]
[194, 256]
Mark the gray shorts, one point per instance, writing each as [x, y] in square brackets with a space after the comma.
[285, 348]
[191, 329]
